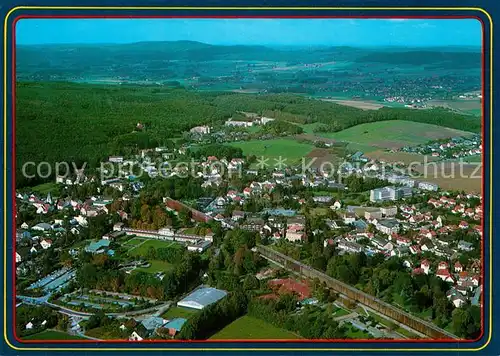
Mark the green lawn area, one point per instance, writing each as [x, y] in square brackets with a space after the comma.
[309, 128]
[143, 249]
[392, 133]
[156, 266]
[108, 332]
[178, 312]
[52, 335]
[319, 211]
[133, 242]
[45, 188]
[253, 129]
[288, 149]
[248, 327]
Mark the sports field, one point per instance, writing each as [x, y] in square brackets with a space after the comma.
[178, 312]
[142, 248]
[248, 327]
[288, 149]
[393, 134]
[52, 335]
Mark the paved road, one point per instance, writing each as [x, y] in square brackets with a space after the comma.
[348, 316]
[70, 312]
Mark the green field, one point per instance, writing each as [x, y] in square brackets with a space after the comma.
[288, 149]
[52, 335]
[46, 188]
[392, 134]
[309, 128]
[178, 312]
[133, 242]
[156, 266]
[340, 312]
[248, 327]
[473, 159]
[142, 250]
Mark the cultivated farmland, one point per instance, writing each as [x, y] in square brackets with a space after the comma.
[394, 134]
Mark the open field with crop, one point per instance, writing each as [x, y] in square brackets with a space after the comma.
[289, 149]
[359, 104]
[469, 106]
[405, 157]
[248, 327]
[453, 175]
[393, 134]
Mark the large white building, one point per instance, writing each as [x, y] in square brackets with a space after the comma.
[389, 193]
[202, 297]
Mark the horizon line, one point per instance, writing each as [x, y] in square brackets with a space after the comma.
[248, 44]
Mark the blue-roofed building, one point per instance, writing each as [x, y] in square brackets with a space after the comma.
[111, 253]
[360, 225]
[153, 322]
[202, 297]
[476, 299]
[97, 246]
[309, 301]
[175, 325]
[281, 212]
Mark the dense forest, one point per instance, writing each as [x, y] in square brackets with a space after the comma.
[64, 122]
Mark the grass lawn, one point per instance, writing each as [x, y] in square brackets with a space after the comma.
[253, 129]
[248, 327]
[309, 128]
[105, 333]
[178, 312]
[319, 211]
[143, 249]
[52, 335]
[156, 266]
[393, 133]
[340, 312]
[133, 242]
[288, 149]
[45, 188]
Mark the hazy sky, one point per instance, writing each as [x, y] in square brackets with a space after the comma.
[350, 32]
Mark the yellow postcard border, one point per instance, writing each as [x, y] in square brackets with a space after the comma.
[195, 8]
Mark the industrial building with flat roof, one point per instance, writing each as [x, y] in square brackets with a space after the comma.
[202, 297]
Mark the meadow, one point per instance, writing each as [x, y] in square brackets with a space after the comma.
[289, 149]
[393, 134]
[248, 327]
[156, 266]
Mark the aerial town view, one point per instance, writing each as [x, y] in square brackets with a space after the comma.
[248, 179]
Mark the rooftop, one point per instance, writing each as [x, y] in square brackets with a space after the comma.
[202, 297]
